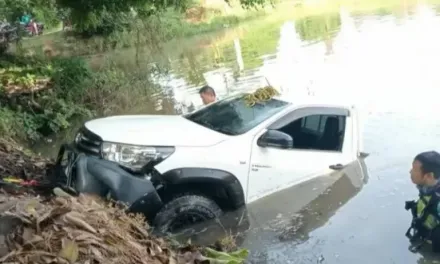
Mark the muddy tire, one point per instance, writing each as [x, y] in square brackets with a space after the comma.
[185, 210]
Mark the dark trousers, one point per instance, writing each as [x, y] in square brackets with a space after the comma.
[435, 238]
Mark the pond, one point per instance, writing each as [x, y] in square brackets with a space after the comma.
[383, 59]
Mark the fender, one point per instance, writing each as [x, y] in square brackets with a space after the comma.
[225, 179]
[138, 193]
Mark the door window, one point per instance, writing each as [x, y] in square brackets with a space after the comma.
[317, 132]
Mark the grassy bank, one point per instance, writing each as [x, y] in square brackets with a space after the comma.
[40, 96]
[150, 32]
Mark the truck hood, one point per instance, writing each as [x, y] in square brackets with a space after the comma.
[154, 130]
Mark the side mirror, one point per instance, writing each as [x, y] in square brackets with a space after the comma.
[276, 139]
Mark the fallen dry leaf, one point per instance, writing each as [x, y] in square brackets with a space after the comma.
[69, 251]
[80, 230]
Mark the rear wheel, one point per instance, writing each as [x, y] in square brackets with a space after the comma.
[185, 210]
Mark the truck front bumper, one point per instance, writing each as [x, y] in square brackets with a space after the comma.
[76, 173]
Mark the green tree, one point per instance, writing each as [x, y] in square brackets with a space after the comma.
[44, 11]
[103, 17]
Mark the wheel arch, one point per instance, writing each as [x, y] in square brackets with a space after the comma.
[219, 185]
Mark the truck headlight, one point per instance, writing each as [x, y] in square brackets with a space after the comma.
[134, 157]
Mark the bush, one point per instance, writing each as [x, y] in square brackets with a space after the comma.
[65, 90]
[9, 124]
[47, 15]
[44, 11]
[41, 96]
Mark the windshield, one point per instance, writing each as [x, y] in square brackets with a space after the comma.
[232, 116]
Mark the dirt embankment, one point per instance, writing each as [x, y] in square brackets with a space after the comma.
[84, 229]
[19, 163]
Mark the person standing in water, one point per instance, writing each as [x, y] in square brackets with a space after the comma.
[207, 94]
[425, 226]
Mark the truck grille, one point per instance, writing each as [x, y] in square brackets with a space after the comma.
[88, 142]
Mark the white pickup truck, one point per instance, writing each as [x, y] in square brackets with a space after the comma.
[226, 154]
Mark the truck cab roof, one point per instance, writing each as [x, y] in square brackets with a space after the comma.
[299, 101]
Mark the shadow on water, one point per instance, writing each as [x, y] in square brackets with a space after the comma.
[289, 216]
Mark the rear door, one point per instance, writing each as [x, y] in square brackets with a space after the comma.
[324, 139]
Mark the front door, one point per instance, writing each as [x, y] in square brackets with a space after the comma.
[323, 140]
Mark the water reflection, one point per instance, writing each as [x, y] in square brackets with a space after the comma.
[283, 53]
[290, 217]
[287, 217]
[318, 28]
[308, 56]
[370, 60]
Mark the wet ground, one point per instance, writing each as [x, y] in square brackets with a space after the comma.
[386, 61]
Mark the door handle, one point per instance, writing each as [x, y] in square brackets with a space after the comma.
[336, 166]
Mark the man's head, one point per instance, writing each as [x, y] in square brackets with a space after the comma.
[207, 94]
[425, 169]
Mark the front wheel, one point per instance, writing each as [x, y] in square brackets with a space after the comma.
[184, 211]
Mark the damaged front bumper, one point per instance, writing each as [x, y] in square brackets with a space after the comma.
[78, 173]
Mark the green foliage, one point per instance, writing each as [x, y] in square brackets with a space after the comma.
[44, 11]
[47, 15]
[70, 76]
[317, 28]
[97, 17]
[104, 17]
[9, 124]
[73, 92]
[73, 89]
[47, 111]
[99, 22]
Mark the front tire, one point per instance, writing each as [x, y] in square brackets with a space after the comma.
[185, 210]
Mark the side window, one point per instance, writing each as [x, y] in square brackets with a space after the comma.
[312, 122]
[317, 132]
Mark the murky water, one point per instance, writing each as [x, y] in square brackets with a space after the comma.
[384, 60]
